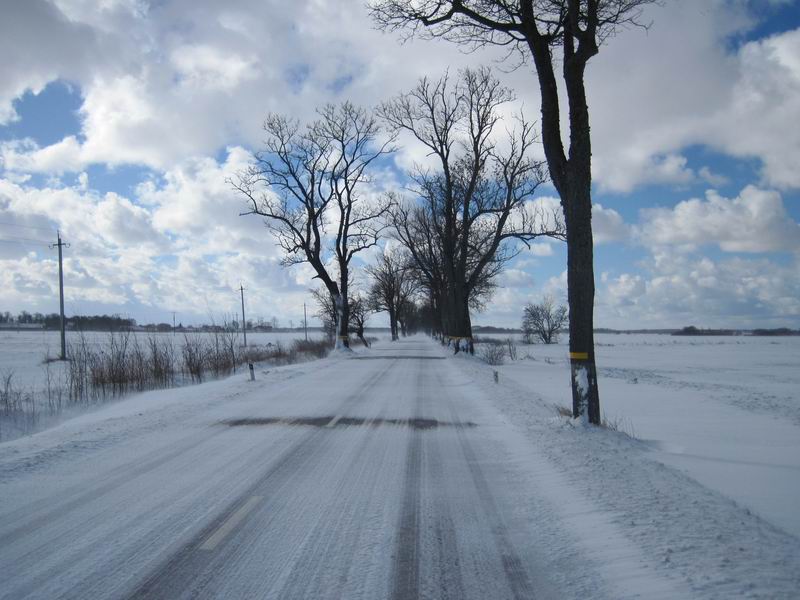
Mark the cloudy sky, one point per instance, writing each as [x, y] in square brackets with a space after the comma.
[120, 121]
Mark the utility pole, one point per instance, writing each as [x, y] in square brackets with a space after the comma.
[305, 320]
[59, 244]
[244, 322]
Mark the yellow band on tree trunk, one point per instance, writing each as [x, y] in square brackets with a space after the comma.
[579, 355]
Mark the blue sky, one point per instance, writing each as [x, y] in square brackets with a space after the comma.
[121, 128]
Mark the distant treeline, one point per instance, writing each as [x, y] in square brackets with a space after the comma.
[776, 332]
[492, 329]
[80, 323]
[26, 320]
[779, 331]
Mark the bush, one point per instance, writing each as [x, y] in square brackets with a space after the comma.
[512, 349]
[542, 321]
[125, 363]
[492, 354]
[312, 348]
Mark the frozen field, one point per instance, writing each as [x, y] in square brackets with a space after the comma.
[24, 352]
[724, 410]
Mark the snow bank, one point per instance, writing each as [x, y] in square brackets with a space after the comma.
[684, 524]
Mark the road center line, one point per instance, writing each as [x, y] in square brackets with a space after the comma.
[232, 522]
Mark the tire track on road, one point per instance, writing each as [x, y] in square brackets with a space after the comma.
[406, 573]
[515, 573]
[172, 579]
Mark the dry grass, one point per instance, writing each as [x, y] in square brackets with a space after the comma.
[126, 362]
[492, 354]
[619, 424]
[563, 411]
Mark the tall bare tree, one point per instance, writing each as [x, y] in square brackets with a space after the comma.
[308, 185]
[537, 29]
[478, 198]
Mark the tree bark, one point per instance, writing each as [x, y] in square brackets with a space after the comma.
[580, 284]
[393, 324]
[342, 321]
[572, 178]
[459, 328]
[580, 248]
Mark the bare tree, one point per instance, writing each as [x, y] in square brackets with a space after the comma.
[359, 314]
[393, 285]
[326, 311]
[543, 321]
[478, 198]
[536, 29]
[307, 183]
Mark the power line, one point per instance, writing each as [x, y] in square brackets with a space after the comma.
[26, 226]
[22, 240]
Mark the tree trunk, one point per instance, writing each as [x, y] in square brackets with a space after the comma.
[360, 334]
[393, 324]
[572, 179]
[460, 326]
[580, 249]
[343, 321]
[580, 285]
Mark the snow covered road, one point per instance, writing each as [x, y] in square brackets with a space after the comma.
[382, 475]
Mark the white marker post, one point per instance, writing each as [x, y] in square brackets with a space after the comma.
[252, 371]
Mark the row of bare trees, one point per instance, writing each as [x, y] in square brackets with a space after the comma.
[458, 227]
[393, 288]
[552, 35]
[472, 207]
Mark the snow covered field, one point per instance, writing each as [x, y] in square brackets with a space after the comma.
[24, 352]
[724, 410]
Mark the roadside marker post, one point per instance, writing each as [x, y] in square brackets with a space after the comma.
[252, 371]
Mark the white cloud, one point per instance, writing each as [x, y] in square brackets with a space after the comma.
[624, 290]
[713, 179]
[208, 68]
[608, 225]
[25, 156]
[165, 82]
[681, 290]
[696, 91]
[541, 249]
[516, 278]
[765, 105]
[169, 84]
[45, 45]
[754, 221]
[179, 244]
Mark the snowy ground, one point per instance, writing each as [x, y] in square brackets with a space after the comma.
[24, 352]
[724, 410]
[402, 472]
